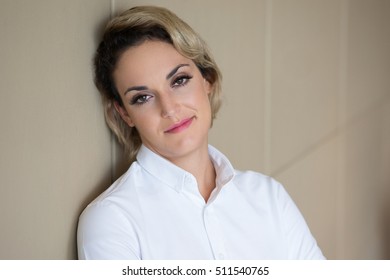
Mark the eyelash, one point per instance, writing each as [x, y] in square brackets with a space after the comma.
[186, 79]
[136, 100]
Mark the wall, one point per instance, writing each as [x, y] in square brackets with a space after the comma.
[55, 148]
[307, 100]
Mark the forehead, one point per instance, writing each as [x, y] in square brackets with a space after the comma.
[149, 59]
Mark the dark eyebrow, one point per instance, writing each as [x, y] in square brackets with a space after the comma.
[137, 88]
[175, 70]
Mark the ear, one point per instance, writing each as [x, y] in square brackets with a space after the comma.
[123, 113]
[207, 86]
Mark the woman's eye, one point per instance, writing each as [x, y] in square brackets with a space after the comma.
[181, 81]
[140, 99]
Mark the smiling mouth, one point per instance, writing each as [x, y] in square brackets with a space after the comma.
[180, 126]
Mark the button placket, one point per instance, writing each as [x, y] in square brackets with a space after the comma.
[214, 233]
[190, 187]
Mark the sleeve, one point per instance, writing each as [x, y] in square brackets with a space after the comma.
[104, 233]
[301, 243]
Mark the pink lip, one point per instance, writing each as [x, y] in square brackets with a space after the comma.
[180, 126]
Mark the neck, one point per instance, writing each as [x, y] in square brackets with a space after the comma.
[199, 164]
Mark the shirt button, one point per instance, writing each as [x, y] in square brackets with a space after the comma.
[188, 180]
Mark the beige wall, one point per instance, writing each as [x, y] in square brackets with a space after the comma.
[307, 100]
[54, 146]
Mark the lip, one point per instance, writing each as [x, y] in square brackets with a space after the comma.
[180, 126]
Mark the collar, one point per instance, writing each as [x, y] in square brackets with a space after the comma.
[176, 177]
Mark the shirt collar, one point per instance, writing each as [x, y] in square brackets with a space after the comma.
[175, 176]
[223, 167]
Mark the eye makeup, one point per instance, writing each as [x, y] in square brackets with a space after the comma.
[181, 80]
[177, 80]
[139, 99]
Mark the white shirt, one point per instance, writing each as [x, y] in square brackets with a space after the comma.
[155, 211]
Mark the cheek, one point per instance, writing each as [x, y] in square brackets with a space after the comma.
[201, 96]
[204, 99]
[141, 119]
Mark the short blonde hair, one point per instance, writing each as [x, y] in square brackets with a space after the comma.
[132, 28]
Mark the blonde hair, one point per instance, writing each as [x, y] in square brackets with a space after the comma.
[132, 28]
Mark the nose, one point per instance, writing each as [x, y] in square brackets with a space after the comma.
[169, 107]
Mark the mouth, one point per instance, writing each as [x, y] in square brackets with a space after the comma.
[180, 126]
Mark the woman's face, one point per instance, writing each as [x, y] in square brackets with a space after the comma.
[165, 98]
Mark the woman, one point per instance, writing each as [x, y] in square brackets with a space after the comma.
[180, 198]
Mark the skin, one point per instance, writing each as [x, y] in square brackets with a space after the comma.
[166, 99]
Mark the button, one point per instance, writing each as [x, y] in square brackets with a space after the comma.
[190, 181]
[187, 179]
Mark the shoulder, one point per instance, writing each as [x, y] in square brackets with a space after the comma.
[121, 189]
[108, 222]
[255, 181]
[261, 189]
[116, 203]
